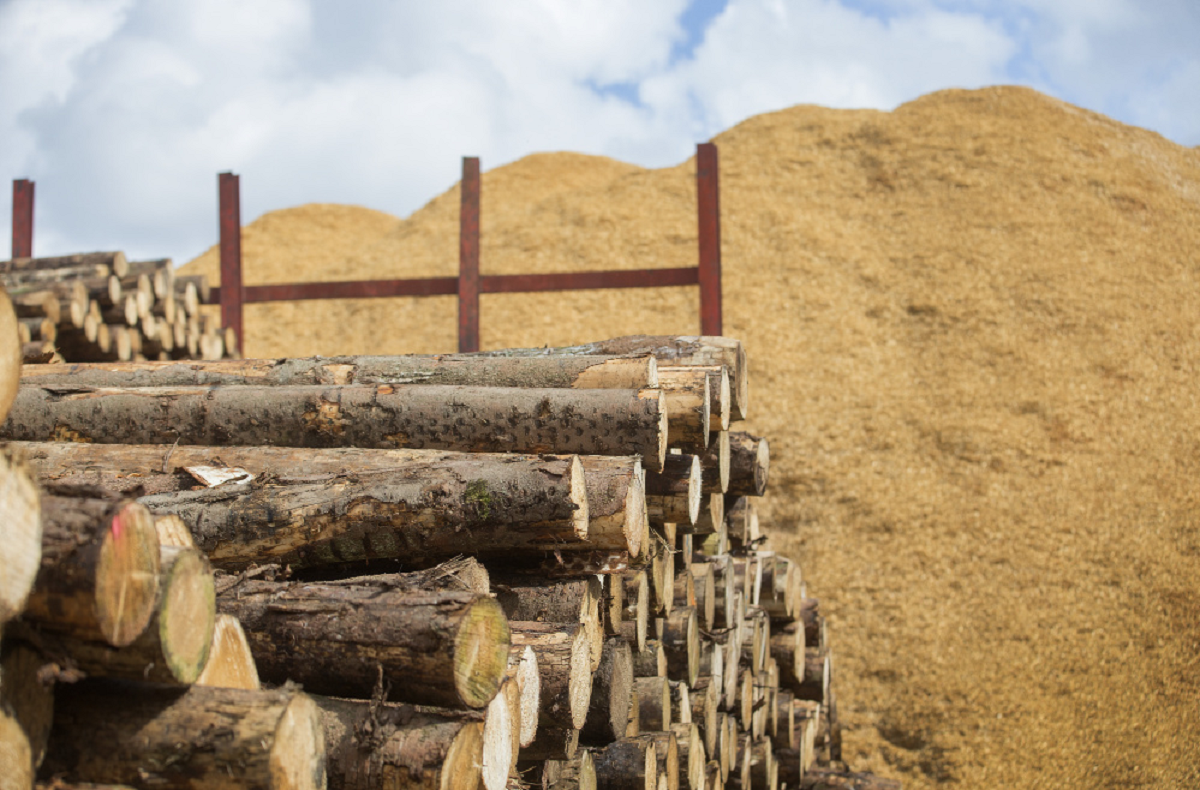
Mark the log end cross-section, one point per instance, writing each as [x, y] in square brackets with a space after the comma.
[20, 534]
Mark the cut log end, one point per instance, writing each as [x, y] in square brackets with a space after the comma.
[530, 683]
[481, 652]
[187, 616]
[127, 577]
[298, 756]
[21, 546]
[15, 755]
[230, 663]
[10, 355]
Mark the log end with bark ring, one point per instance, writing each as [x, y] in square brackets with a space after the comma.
[298, 755]
[21, 528]
[481, 649]
[187, 615]
[127, 575]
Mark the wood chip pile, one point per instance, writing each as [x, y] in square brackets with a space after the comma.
[534, 567]
[101, 307]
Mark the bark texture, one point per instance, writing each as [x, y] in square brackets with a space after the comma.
[472, 419]
[593, 372]
[448, 649]
[612, 690]
[749, 464]
[627, 764]
[26, 696]
[125, 733]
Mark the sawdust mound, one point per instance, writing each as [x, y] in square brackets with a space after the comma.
[972, 325]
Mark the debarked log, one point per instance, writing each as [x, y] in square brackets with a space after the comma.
[449, 649]
[471, 419]
[129, 733]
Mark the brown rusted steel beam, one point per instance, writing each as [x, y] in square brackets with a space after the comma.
[230, 215]
[346, 289]
[708, 207]
[22, 218]
[580, 281]
[468, 258]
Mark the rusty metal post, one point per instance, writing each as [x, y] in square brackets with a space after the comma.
[232, 295]
[22, 218]
[468, 257]
[708, 206]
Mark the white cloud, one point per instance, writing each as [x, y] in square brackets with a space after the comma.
[124, 111]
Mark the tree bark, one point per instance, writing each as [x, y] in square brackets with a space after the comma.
[616, 492]
[466, 504]
[596, 372]
[692, 757]
[555, 601]
[818, 667]
[780, 594]
[714, 465]
[716, 378]
[578, 773]
[608, 706]
[20, 532]
[749, 464]
[116, 262]
[612, 605]
[704, 703]
[637, 607]
[705, 586]
[564, 664]
[654, 703]
[174, 647]
[627, 764]
[814, 623]
[787, 648]
[471, 419]
[681, 642]
[125, 733]
[688, 406]
[230, 662]
[674, 494]
[99, 573]
[741, 516]
[666, 751]
[449, 649]
[783, 734]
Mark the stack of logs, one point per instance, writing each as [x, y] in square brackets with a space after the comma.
[535, 567]
[100, 307]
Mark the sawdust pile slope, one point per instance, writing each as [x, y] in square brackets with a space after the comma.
[973, 331]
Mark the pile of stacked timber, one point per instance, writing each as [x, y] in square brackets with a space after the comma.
[98, 307]
[533, 567]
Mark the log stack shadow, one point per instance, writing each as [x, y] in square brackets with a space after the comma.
[531, 567]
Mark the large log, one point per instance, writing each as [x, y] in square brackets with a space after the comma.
[114, 261]
[578, 773]
[449, 649]
[322, 511]
[714, 465]
[681, 641]
[654, 703]
[440, 485]
[596, 372]
[20, 532]
[669, 350]
[174, 647]
[608, 706]
[627, 764]
[99, 573]
[666, 750]
[126, 733]
[473, 419]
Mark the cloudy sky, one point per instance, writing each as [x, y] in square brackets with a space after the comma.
[124, 111]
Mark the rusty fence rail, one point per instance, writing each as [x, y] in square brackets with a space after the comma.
[233, 294]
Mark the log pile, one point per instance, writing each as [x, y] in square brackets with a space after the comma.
[524, 568]
[99, 306]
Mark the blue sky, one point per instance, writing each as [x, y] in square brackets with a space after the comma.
[124, 111]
